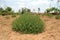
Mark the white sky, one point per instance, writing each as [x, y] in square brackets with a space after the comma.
[32, 4]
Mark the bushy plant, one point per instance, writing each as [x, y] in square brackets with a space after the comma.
[57, 16]
[28, 23]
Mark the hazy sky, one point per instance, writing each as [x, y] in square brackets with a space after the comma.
[31, 4]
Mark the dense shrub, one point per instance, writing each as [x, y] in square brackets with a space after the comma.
[57, 16]
[28, 23]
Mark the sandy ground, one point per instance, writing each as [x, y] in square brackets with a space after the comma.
[52, 30]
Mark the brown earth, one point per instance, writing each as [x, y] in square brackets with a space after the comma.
[52, 30]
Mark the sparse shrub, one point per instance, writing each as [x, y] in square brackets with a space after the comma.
[57, 16]
[4, 12]
[49, 15]
[7, 17]
[28, 23]
[13, 15]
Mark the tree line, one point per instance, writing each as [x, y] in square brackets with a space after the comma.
[9, 11]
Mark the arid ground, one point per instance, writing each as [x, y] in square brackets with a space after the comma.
[52, 30]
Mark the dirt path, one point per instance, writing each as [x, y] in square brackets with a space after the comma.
[52, 30]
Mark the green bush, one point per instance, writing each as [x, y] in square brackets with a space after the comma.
[57, 16]
[28, 23]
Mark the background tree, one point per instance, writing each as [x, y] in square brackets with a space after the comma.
[38, 10]
[58, 2]
[34, 10]
[1, 9]
[28, 10]
[8, 9]
[23, 10]
[53, 10]
[19, 11]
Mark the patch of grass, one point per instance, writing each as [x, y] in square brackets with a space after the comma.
[57, 16]
[28, 23]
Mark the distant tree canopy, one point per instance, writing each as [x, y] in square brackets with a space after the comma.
[8, 9]
[38, 10]
[1, 9]
[24, 10]
[51, 9]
